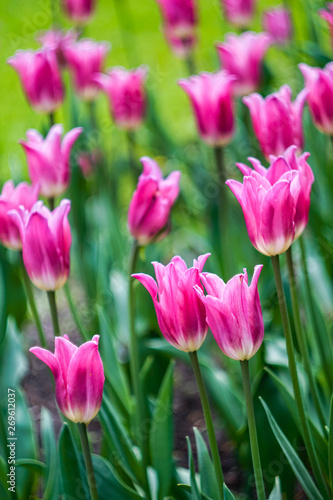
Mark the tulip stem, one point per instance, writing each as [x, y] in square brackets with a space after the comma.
[135, 367]
[222, 210]
[74, 312]
[131, 153]
[88, 461]
[32, 304]
[51, 118]
[190, 64]
[301, 337]
[294, 378]
[54, 313]
[51, 203]
[209, 422]
[323, 349]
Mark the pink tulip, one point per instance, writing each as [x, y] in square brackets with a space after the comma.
[46, 241]
[149, 210]
[79, 377]
[277, 122]
[85, 58]
[212, 103]
[234, 313]
[48, 159]
[40, 78]
[180, 22]
[239, 12]
[242, 55]
[88, 161]
[127, 95]
[79, 11]
[277, 22]
[11, 198]
[319, 83]
[328, 16]
[268, 198]
[57, 40]
[180, 313]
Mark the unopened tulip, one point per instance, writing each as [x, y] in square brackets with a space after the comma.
[319, 83]
[242, 55]
[46, 241]
[79, 11]
[150, 207]
[268, 198]
[276, 120]
[212, 103]
[127, 95]
[239, 12]
[57, 40]
[234, 313]
[328, 16]
[40, 78]
[277, 22]
[85, 58]
[180, 22]
[48, 159]
[180, 313]
[79, 377]
[12, 198]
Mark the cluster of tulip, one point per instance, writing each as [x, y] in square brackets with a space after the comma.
[275, 202]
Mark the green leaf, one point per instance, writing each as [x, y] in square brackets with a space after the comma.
[3, 304]
[161, 434]
[3, 479]
[13, 362]
[227, 493]
[330, 445]
[51, 488]
[194, 487]
[208, 484]
[295, 462]
[276, 493]
[31, 463]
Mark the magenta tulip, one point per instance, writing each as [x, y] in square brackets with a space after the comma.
[85, 58]
[234, 313]
[12, 198]
[242, 55]
[180, 313]
[57, 40]
[328, 16]
[79, 11]
[276, 120]
[212, 103]
[277, 22]
[79, 377]
[46, 241]
[239, 12]
[40, 78]
[149, 210]
[127, 95]
[319, 83]
[268, 198]
[48, 159]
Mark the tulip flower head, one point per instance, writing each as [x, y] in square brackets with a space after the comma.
[40, 78]
[276, 120]
[150, 207]
[127, 95]
[277, 22]
[46, 241]
[233, 312]
[319, 83]
[268, 198]
[212, 103]
[242, 55]
[85, 58]
[57, 40]
[79, 377]
[239, 12]
[180, 313]
[48, 159]
[12, 198]
[79, 11]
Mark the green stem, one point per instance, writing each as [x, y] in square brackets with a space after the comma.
[54, 313]
[51, 118]
[294, 378]
[141, 434]
[88, 461]
[32, 304]
[131, 154]
[190, 64]
[74, 312]
[92, 115]
[209, 423]
[322, 347]
[51, 203]
[252, 431]
[222, 211]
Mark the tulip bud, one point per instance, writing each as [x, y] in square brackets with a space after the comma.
[180, 313]
[12, 198]
[79, 377]
[212, 103]
[149, 210]
[239, 12]
[57, 40]
[277, 22]
[234, 313]
[40, 78]
[46, 241]
[328, 16]
[79, 11]
[48, 159]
